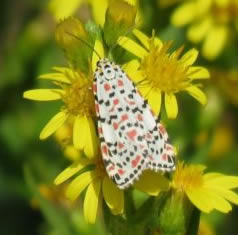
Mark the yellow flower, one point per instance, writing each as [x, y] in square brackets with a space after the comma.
[210, 21]
[206, 191]
[76, 93]
[159, 72]
[98, 185]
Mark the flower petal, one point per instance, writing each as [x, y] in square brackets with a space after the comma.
[152, 183]
[56, 122]
[198, 31]
[227, 194]
[222, 181]
[143, 38]
[92, 143]
[43, 94]
[198, 94]
[215, 42]
[79, 184]
[206, 200]
[200, 200]
[58, 77]
[71, 170]
[62, 9]
[132, 47]
[197, 72]
[99, 11]
[171, 106]
[154, 100]
[79, 132]
[98, 47]
[184, 14]
[113, 195]
[91, 201]
[189, 57]
[84, 136]
[131, 69]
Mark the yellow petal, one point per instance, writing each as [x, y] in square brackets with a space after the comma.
[91, 147]
[154, 100]
[58, 77]
[43, 94]
[200, 200]
[72, 153]
[227, 194]
[198, 31]
[171, 106]
[62, 9]
[222, 181]
[198, 94]
[189, 57]
[79, 184]
[71, 170]
[184, 14]
[152, 183]
[98, 47]
[79, 132]
[142, 38]
[113, 195]
[206, 200]
[197, 72]
[99, 11]
[131, 69]
[132, 47]
[56, 122]
[215, 42]
[91, 201]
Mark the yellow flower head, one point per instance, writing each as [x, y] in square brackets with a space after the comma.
[206, 191]
[210, 20]
[161, 72]
[78, 104]
[97, 184]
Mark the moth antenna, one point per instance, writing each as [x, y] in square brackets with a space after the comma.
[87, 44]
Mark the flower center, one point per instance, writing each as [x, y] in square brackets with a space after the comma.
[187, 177]
[165, 71]
[225, 14]
[78, 96]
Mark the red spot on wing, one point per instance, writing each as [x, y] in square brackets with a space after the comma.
[97, 108]
[120, 145]
[111, 168]
[115, 125]
[115, 102]
[151, 158]
[94, 87]
[100, 130]
[139, 117]
[124, 117]
[104, 149]
[162, 129]
[135, 162]
[121, 172]
[107, 87]
[169, 148]
[132, 134]
[120, 82]
[164, 157]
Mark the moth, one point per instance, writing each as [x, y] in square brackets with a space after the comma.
[131, 138]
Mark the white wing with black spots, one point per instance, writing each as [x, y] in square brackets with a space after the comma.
[131, 139]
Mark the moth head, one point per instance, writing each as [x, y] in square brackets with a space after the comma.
[106, 69]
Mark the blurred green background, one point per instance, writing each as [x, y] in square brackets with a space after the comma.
[29, 202]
